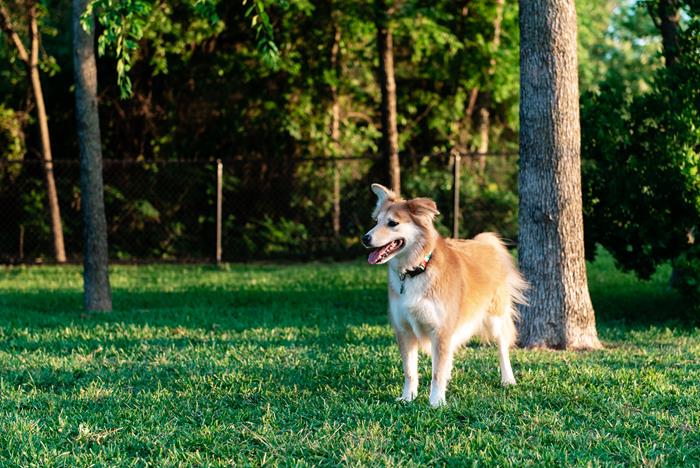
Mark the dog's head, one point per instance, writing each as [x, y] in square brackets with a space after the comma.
[403, 226]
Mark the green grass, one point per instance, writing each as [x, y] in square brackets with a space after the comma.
[296, 364]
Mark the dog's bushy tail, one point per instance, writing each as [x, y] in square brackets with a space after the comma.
[516, 283]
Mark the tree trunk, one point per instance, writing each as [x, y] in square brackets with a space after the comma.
[387, 84]
[465, 125]
[51, 192]
[551, 248]
[484, 127]
[669, 18]
[97, 292]
[484, 113]
[335, 128]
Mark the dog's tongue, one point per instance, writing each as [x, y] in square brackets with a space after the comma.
[375, 255]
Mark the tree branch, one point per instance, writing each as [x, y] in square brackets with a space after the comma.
[6, 26]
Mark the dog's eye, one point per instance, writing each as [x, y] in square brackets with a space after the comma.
[392, 223]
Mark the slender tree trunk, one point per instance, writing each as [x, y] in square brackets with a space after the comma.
[484, 127]
[97, 292]
[465, 125]
[31, 60]
[387, 84]
[51, 192]
[484, 113]
[335, 128]
[551, 248]
[669, 19]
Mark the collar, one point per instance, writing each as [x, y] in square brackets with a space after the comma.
[416, 270]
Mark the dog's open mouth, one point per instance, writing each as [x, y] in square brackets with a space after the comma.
[381, 254]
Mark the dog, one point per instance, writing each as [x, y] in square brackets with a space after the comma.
[442, 292]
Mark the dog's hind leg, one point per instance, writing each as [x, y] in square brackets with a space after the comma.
[502, 329]
[408, 346]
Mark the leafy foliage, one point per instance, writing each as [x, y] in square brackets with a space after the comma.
[686, 276]
[126, 22]
[11, 136]
[642, 151]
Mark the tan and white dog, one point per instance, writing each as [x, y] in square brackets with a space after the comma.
[442, 291]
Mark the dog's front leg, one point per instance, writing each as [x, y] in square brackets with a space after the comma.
[408, 346]
[441, 350]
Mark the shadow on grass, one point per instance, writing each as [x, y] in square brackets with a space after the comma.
[639, 307]
[200, 307]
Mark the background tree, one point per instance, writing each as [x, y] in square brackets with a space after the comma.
[551, 249]
[335, 118]
[387, 86]
[97, 291]
[484, 111]
[667, 16]
[29, 55]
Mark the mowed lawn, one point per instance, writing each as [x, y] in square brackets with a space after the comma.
[296, 364]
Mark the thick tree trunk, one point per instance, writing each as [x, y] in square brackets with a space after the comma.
[551, 248]
[51, 192]
[669, 19]
[335, 128]
[97, 292]
[387, 84]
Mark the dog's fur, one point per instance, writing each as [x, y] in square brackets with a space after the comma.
[468, 288]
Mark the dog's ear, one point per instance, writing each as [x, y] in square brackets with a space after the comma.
[423, 208]
[383, 194]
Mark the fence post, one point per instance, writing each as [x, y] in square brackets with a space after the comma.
[219, 177]
[455, 185]
[336, 197]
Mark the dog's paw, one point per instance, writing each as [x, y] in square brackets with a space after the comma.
[436, 401]
[408, 396]
[508, 382]
[437, 394]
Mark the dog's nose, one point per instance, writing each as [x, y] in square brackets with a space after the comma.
[367, 240]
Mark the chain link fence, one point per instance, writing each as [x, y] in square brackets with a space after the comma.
[245, 209]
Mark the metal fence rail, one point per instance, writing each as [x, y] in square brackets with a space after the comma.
[232, 209]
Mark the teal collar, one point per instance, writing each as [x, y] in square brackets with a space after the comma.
[415, 271]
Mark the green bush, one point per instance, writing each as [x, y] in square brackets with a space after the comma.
[686, 273]
[641, 167]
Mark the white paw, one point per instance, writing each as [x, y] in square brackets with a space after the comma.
[437, 401]
[508, 381]
[409, 393]
[437, 394]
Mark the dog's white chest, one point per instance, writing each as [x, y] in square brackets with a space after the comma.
[412, 306]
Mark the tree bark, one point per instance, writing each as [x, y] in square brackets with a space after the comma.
[97, 292]
[387, 84]
[669, 18]
[335, 127]
[31, 60]
[551, 248]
